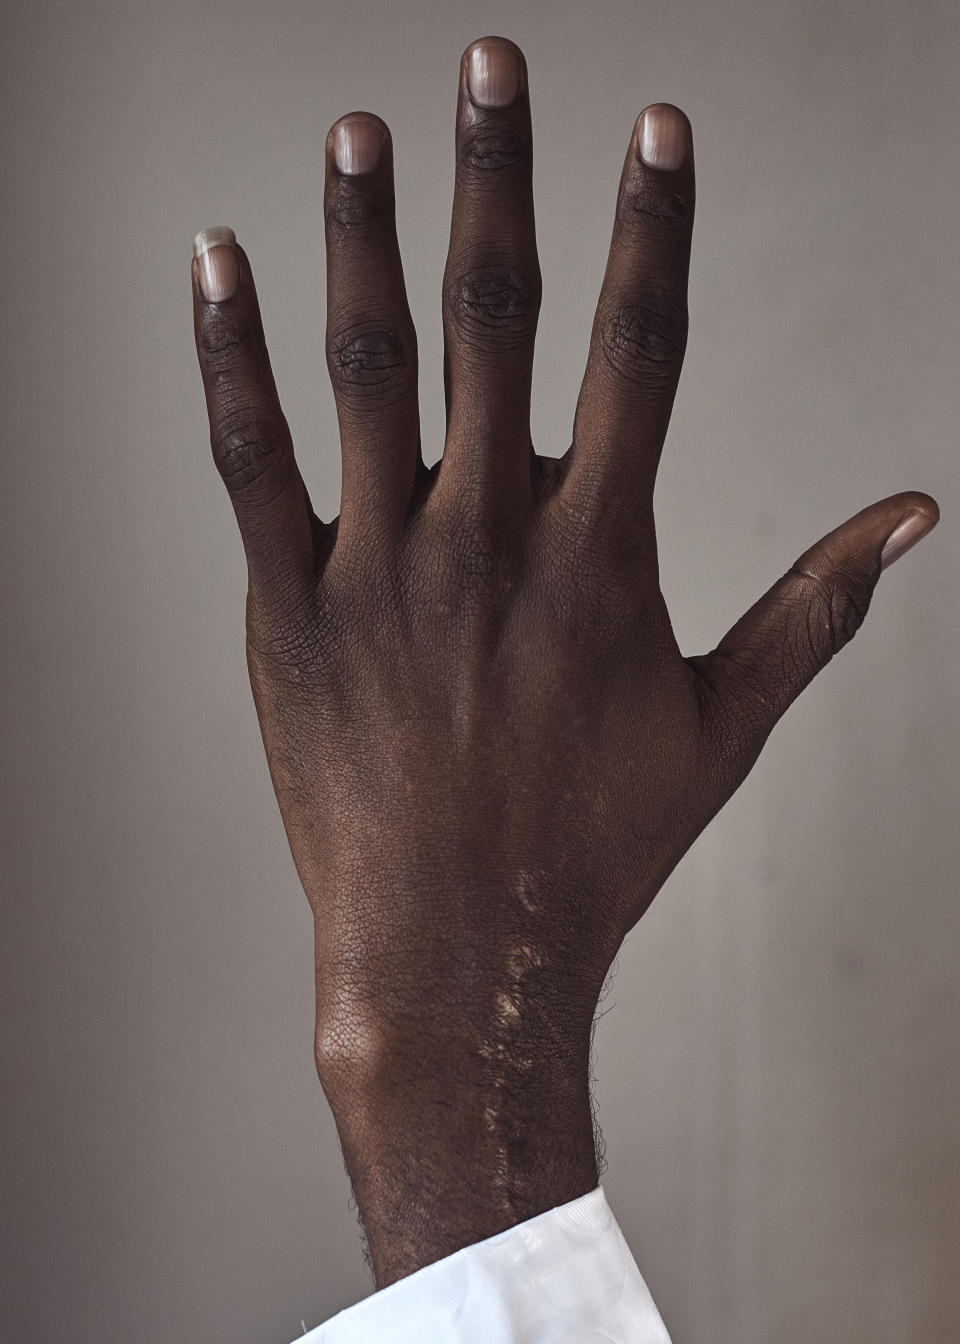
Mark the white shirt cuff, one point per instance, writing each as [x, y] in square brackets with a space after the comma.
[563, 1277]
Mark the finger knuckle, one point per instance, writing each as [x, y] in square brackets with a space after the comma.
[848, 610]
[834, 613]
[222, 340]
[648, 207]
[495, 307]
[489, 151]
[371, 359]
[352, 212]
[643, 339]
[251, 454]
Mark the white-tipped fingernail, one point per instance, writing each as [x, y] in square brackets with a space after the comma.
[218, 266]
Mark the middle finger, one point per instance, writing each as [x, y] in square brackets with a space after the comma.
[491, 284]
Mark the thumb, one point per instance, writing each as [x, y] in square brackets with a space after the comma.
[777, 647]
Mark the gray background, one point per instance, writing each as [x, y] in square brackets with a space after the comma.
[778, 1081]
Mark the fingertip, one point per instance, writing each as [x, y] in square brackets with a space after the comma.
[918, 519]
[356, 143]
[219, 236]
[925, 504]
[493, 72]
[357, 112]
[672, 110]
[216, 267]
[483, 45]
[663, 137]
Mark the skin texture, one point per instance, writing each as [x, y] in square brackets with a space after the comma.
[487, 748]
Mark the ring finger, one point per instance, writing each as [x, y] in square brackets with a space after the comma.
[371, 342]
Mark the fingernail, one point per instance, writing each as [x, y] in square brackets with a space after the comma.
[663, 137]
[494, 72]
[357, 144]
[911, 528]
[218, 266]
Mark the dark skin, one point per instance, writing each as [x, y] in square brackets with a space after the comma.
[487, 748]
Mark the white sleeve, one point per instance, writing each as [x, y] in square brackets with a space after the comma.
[564, 1277]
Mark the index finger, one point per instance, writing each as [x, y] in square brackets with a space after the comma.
[640, 328]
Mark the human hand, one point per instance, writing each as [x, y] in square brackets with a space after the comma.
[487, 748]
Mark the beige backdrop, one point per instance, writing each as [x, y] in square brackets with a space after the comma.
[778, 1081]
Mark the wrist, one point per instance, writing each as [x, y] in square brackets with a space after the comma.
[449, 1138]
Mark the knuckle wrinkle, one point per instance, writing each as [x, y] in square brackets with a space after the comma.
[496, 307]
[369, 359]
[352, 212]
[250, 458]
[221, 339]
[835, 613]
[646, 206]
[644, 342]
[491, 149]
